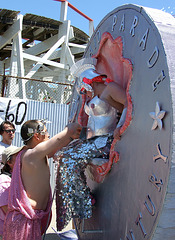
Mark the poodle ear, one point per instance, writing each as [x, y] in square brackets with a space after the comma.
[110, 60]
[127, 70]
[119, 43]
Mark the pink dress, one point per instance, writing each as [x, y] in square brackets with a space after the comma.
[22, 222]
[4, 191]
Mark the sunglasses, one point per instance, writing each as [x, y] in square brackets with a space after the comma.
[44, 133]
[10, 130]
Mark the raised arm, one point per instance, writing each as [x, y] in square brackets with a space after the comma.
[117, 93]
[60, 140]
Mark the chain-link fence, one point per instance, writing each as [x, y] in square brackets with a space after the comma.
[35, 89]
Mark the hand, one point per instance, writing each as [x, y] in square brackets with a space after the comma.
[74, 130]
[116, 134]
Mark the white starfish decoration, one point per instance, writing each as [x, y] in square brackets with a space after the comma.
[157, 116]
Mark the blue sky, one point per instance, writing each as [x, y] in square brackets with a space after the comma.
[95, 9]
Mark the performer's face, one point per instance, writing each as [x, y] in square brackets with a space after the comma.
[89, 94]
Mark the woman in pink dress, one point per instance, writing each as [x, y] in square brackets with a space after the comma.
[8, 160]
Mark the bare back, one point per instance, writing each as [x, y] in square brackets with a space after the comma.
[35, 170]
[36, 180]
